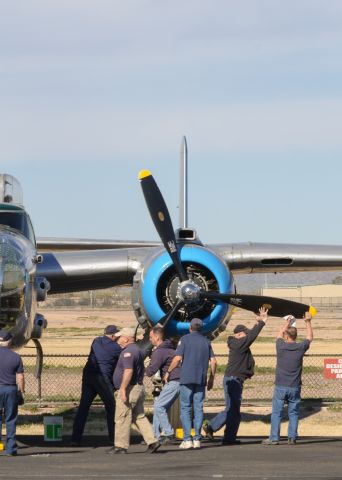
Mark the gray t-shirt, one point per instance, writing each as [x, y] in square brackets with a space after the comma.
[290, 362]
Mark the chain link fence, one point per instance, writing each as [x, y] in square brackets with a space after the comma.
[62, 375]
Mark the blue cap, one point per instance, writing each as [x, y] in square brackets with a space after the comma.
[5, 336]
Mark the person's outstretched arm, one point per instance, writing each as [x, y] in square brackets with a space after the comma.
[284, 327]
[309, 332]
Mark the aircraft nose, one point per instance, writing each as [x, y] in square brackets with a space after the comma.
[12, 280]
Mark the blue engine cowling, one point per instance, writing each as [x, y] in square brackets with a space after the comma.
[154, 282]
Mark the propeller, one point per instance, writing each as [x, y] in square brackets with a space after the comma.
[164, 321]
[162, 220]
[277, 307]
[145, 344]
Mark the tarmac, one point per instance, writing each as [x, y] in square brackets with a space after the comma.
[311, 457]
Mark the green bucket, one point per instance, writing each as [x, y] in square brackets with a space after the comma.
[53, 427]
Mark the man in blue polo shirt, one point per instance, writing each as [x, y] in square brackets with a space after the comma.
[11, 375]
[195, 352]
[97, 379]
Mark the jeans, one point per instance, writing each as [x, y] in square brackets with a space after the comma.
[9, 404]
[280, 395]
[230, 416]
[92, 385]
[161, 406]
[192, 395]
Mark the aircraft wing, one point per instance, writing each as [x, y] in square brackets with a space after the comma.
[48, 244]
[91, 269]
[277, 257]
[69, 271]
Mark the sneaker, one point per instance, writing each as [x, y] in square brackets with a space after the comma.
[168, 439]
[186, 444]
[153, 447]
[116, 450]
[267, 441]
[197, 444]
[208, 431]
[291, 441]
[13, 454]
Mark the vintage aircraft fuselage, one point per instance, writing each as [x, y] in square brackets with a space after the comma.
[19, 287]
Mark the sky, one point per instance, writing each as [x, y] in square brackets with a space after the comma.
[93, 92]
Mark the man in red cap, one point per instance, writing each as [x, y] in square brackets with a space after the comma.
[240, 367]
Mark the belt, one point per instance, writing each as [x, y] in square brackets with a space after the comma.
[235, 378]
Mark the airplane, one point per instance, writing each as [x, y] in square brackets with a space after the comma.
[172, 281]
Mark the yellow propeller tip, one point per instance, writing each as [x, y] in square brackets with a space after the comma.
[144, 173]
[312, 311]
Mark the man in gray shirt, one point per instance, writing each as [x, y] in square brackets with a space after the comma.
[288, 379]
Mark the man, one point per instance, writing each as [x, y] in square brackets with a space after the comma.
[97, 379]
[240, 367]
[128, 382]
[11, 375]
[288, 378]
[195, 352]
[160, 361]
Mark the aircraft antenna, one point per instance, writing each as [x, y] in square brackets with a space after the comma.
[183, 191]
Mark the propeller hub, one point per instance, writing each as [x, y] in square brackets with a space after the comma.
[189, 292]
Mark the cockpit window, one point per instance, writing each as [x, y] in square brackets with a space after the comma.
[19, 220]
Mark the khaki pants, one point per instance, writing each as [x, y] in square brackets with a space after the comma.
[133, 412]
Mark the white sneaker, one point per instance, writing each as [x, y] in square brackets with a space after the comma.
[186, 444]
[197, 444]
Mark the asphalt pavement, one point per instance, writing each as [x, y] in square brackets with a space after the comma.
[312, 458]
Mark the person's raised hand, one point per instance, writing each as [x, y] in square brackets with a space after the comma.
[263, 314]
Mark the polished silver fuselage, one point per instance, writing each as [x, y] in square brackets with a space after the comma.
[18, 297]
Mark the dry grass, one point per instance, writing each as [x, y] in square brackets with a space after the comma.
[72, 331]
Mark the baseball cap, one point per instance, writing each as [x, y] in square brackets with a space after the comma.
[5, 336]
[110, 330]
[126, 332]
[240, 328]
[196, 323]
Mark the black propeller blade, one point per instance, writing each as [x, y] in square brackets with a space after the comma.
[277, 307]
[164, 321]
[161, 219]
[145, 344]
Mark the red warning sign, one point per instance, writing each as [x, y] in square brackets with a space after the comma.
[333, 368]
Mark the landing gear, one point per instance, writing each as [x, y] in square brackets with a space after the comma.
[39, 366]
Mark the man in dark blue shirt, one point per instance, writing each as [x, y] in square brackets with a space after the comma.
[161, 359]
[240, 367]
[288, 379]
[97, 379]
[195, 352]
[11, 374]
